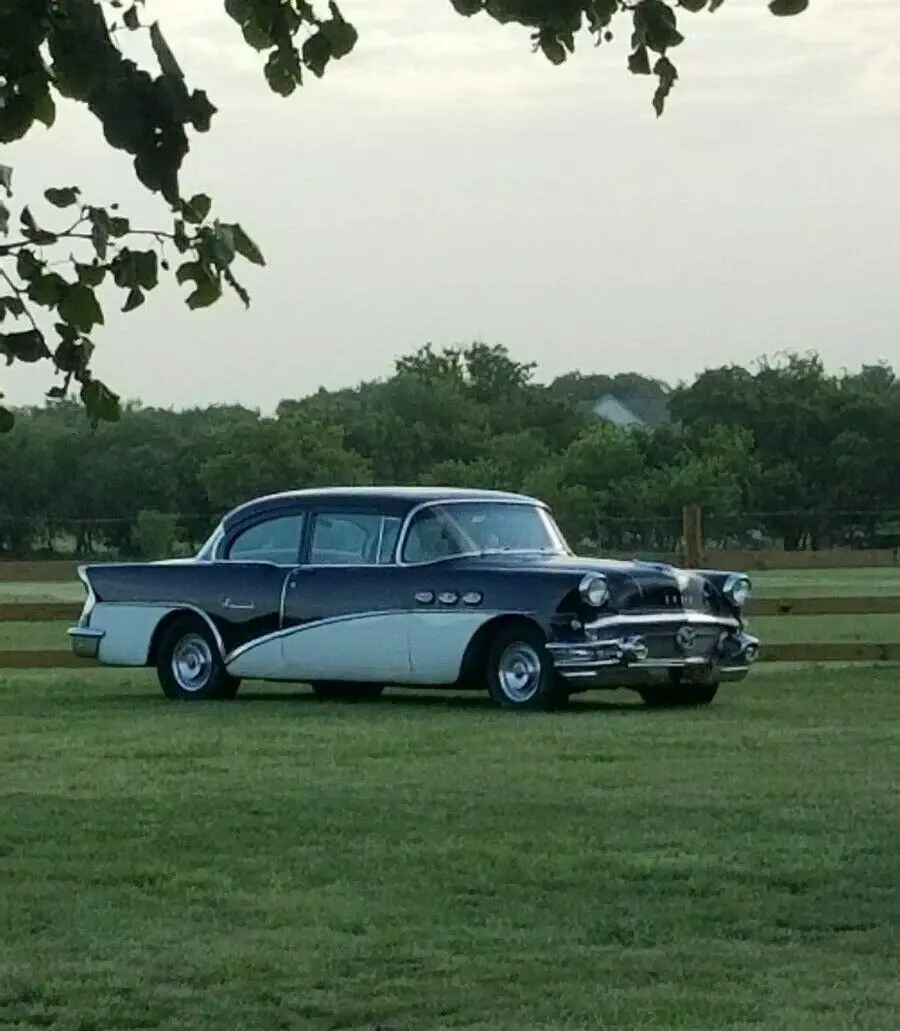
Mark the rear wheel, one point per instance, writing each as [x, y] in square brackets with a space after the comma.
[679, 696]
[189, 664]
[519, 670]
[346, 691]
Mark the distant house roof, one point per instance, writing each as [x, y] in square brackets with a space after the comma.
[636, 411]
[611, 409]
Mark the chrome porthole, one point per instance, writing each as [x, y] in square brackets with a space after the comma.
[519, 672]
[192, 663]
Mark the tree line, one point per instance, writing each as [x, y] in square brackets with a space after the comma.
[784, 453]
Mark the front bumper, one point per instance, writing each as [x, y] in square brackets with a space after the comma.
[645, 649]
[85, 641]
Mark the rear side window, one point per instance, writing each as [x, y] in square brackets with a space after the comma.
[353, 538]
[275, 540]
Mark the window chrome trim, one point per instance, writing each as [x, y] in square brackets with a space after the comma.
[446, 503]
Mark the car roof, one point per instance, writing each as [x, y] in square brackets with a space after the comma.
[411, 496]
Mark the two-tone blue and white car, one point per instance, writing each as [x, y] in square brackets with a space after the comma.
[354, 589]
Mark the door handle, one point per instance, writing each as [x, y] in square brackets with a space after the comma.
[243, 606]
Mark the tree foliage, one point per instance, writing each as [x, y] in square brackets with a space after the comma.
[51, 268]
[783, 451]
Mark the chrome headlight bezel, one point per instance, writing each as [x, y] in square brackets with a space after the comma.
[594, 590]
[737, 589]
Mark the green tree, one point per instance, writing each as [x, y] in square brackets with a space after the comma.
[53, 261]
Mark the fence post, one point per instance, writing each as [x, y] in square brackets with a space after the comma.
[692, 528]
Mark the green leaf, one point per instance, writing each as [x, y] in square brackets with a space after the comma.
[256, 36]
[119, 227]
[197, 208]
[14, 305]
[146, 269]
[207, 289]
[188, 270]
[238, 10]
[7, 420]
[28, 266]
[788, 8]
[245, 246]
[657, 23]
[201, 110]
[208, 292]
[45, 109]
[218, 246]
[80, 308]
[90, 275]
[667, 74]
[167, 63]
[467, 7]
[316, 51]
[693, 5]
[101, 403]
[639, 61]
[72, 355]
[6, 174]
[341, 35]
[180, 237]
[99, 231]
[554, 51]
[47, 290]
[134, 300]
[283, 72]
[131, 19]
[62, 197]
[28, 346]
[4, 219]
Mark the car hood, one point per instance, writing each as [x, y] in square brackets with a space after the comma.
[634, 583]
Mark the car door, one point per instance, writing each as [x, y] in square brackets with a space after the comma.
[255, 562]
[345, 614]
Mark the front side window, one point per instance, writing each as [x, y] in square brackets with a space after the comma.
[353, 539]
[275, 540]
[482, 527]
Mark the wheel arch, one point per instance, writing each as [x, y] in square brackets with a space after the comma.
[172, 617]
[475, 655]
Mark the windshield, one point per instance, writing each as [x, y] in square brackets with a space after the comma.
[473, 528]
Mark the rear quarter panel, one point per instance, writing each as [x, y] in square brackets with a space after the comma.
[241, 599]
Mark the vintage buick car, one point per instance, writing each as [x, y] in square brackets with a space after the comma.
[354, 589]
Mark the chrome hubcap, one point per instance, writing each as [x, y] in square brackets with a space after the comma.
[519, 672]
[192, 662]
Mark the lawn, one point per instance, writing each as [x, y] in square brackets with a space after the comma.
[433, 863]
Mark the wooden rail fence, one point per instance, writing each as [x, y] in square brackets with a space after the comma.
[800, 651]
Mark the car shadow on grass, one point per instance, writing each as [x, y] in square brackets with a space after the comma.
[398, 699]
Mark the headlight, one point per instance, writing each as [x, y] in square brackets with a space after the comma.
[737, 589]
[594, 589]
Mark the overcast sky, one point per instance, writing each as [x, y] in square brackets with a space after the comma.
[444, 184]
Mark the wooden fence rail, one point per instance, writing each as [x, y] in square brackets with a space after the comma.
[62, 571]
[800, 651]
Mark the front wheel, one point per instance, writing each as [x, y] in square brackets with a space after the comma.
[679, 696]
[519, 671]
[346, 691]
[189, 665]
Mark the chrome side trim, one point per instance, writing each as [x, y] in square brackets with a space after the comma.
[288, 581]
[666, 618]
[347, 617]
[90, 600]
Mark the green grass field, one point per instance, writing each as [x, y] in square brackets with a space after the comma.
[281, 863]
